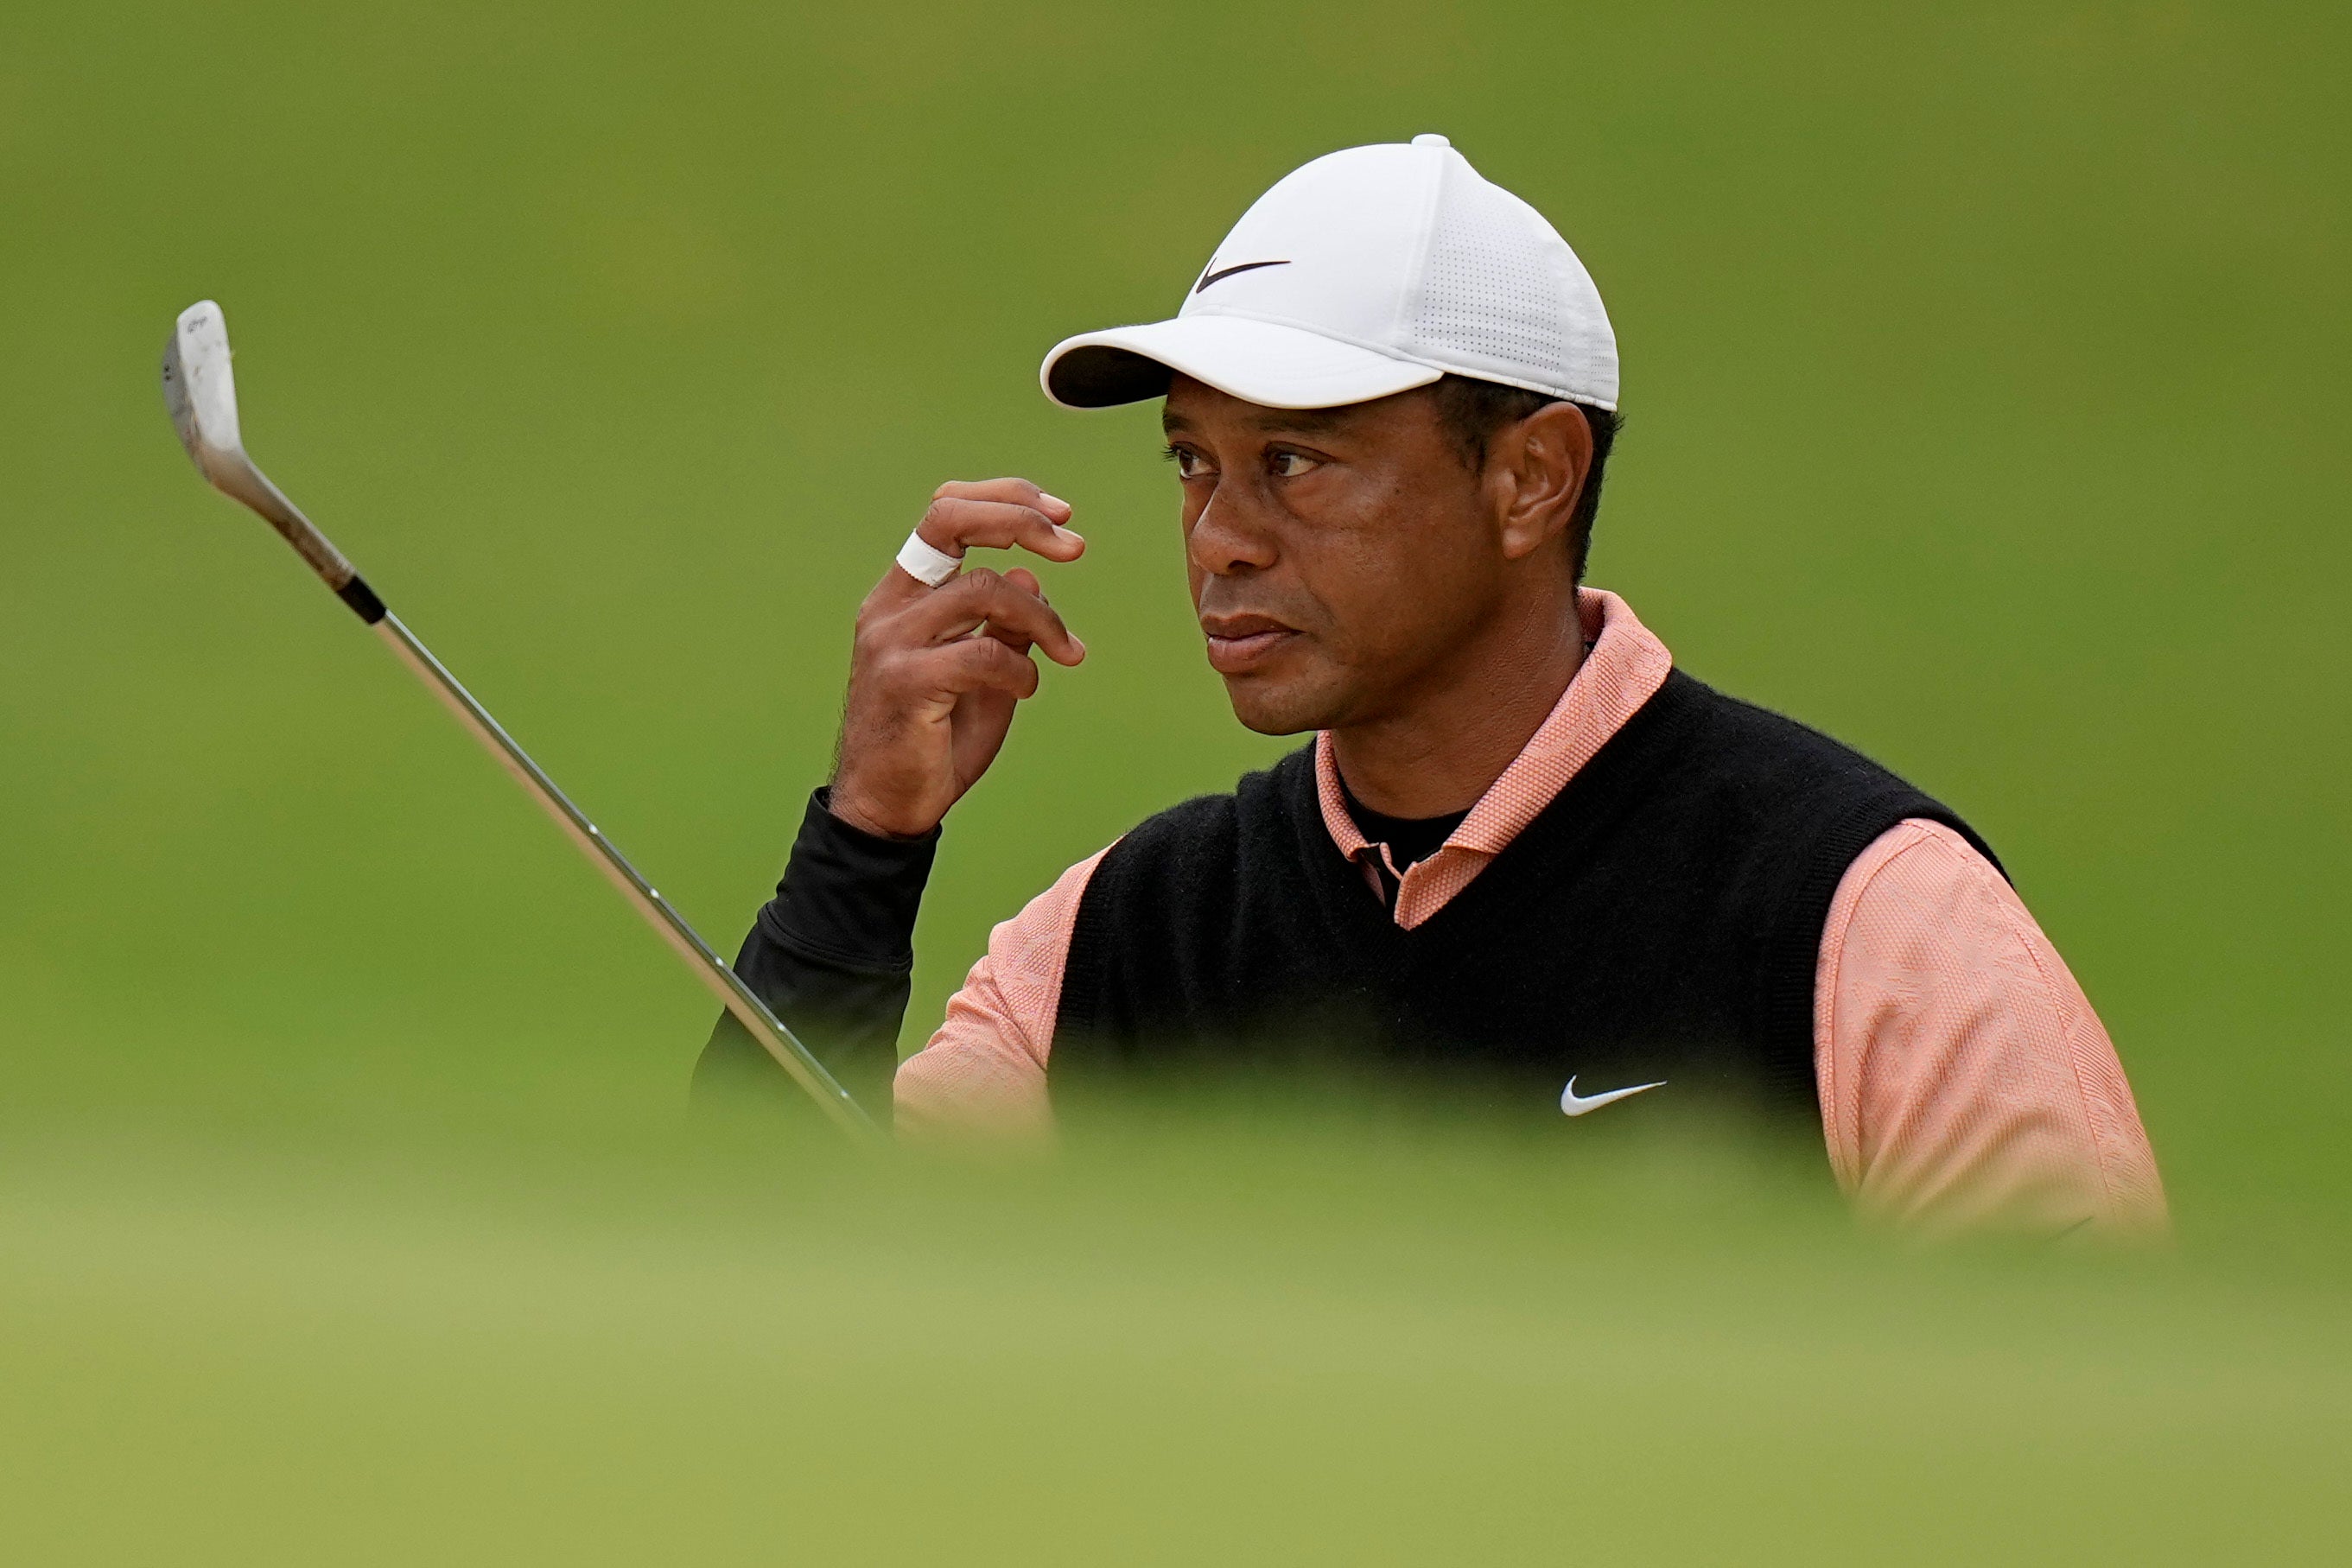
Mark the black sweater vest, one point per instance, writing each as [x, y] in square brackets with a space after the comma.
[1659, 922]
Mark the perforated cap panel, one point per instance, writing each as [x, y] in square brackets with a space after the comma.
[1502, 297]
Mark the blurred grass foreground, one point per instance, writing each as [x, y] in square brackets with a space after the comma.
[1211, 1337]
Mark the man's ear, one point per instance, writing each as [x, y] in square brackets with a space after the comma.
[1538, 467]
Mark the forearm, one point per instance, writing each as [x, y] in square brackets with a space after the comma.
[831, 955]
[936, 670]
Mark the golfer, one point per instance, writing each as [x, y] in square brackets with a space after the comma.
[1525, 860]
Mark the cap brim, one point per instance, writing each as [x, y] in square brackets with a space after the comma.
[1262, 362]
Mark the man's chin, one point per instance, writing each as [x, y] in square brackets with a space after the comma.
[1271, 707]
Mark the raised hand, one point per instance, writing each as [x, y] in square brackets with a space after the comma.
[935, 673]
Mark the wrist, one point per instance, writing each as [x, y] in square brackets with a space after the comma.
[858, 808]
[846, 810]
[848, 895]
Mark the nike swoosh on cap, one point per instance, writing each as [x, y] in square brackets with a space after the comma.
[1573, 1104]
[1219, 277]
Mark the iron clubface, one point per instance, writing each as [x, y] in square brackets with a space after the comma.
[200, 391]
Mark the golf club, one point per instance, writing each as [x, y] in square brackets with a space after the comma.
[202, 396]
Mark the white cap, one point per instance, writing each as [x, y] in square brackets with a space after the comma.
[1367, 272]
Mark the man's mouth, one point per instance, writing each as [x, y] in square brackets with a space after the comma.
[1241, 643]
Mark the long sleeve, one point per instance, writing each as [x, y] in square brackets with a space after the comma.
[1964, 1078]
[831, 955]
[984, 1071]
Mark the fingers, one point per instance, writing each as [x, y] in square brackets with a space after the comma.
[1007, 605]
[973, 664]
[1020, 492]
[1022, 577]
[999, 514]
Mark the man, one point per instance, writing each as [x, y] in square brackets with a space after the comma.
[1525, 857]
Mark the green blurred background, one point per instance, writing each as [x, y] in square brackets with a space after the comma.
[1984, 378]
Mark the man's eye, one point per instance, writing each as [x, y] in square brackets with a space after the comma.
[1290, 465]
[1189, 464]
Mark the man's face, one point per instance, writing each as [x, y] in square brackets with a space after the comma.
[1337, 556]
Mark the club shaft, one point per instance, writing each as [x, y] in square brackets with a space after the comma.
[714, 971]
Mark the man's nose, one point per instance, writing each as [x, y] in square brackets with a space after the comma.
[1225, 538]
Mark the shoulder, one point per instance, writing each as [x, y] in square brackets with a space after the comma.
[1042, 928]
[1923, 887]
[1749, 736]
[1783, 778]
[1209, 828]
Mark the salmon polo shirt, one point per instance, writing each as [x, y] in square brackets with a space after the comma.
[1963, 1077]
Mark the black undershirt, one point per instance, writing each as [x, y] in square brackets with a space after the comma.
[1410, 840]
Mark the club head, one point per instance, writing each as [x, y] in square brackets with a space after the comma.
[200, 391]
[199, 387]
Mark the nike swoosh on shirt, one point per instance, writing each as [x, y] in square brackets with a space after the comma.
[1573, 1104]
[1220, 277]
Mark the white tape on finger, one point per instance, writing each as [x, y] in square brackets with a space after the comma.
[927, 564]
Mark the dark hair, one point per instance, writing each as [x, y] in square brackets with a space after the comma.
[1471, 411]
